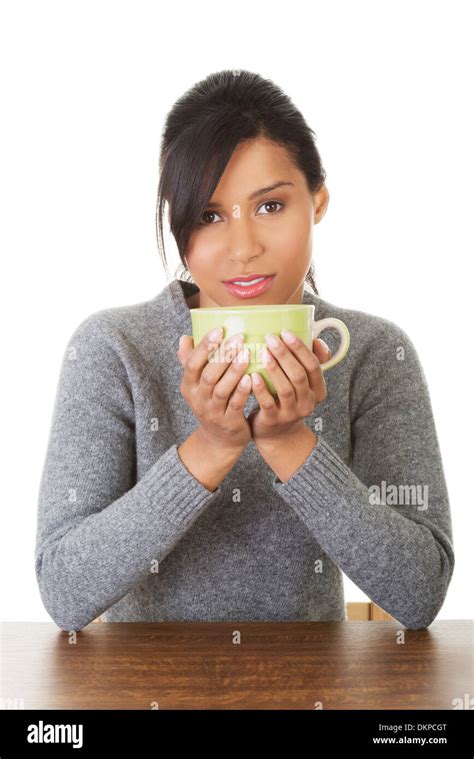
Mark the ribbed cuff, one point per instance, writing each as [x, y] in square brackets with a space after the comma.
[322, 480]
[179, 495]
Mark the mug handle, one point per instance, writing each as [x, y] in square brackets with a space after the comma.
[317, 328]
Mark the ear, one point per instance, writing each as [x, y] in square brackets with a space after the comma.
[321, 201]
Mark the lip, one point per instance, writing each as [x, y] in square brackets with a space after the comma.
[247, 278]
[251, 291]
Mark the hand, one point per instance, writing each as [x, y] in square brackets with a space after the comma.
[216, 388]
[296, 373]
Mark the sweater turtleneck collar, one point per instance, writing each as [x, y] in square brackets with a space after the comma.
[180, 290]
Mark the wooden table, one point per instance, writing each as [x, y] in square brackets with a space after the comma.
[199, 665]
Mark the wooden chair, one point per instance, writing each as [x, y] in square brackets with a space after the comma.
[356, 611]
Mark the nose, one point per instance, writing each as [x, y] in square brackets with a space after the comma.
[243, 245]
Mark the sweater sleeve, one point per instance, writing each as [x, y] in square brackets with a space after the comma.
[98, 530]
[385, 520]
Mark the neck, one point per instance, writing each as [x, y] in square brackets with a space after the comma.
[193, 300]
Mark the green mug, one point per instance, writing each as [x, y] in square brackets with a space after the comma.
[257, 321]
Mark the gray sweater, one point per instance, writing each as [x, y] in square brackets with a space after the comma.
[125, 531]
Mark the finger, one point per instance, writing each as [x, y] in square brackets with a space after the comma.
[186, 345]
[285, 390]
[230, 379]
[218, 365]
[317, 381]
[295, 359]
[198, 358]
[239, 397]
[309, 361]
[263, 395]
[322, 350]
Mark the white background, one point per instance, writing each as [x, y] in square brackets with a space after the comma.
[85, 89]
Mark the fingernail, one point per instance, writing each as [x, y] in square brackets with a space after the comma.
[215, 333]
[325, 345]
[288, 336]
[235, 339]
[271, 340]
[267, 357]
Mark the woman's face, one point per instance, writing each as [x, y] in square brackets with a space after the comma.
[269, 234]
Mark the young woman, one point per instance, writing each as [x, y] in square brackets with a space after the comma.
[178, 488]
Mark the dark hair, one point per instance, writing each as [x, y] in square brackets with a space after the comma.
[200, 134]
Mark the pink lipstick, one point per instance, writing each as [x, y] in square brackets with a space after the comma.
[249, 286]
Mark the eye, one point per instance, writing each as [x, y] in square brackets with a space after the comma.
[208, 213]
[271, 203]
[215, 214]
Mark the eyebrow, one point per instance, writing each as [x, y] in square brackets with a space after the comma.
[256, 194]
